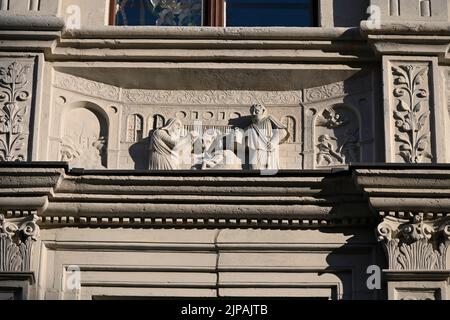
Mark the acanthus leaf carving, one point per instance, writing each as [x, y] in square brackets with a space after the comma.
[415, 244]
[411, 116]
[16, 241]
[13, 91]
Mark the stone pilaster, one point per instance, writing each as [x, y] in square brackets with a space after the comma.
[16, 95]
[412, 10]
[414, 127]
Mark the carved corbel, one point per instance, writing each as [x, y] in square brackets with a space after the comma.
[17, 236]
[415, 243]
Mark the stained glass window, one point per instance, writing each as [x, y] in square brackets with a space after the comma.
[158, 12]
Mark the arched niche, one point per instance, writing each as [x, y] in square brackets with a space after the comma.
[157, 121]
[291, 125]
[337, 136]
[84, 136]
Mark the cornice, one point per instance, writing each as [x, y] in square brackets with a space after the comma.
[409, 38]
[290, 200]
[215, 33]
[398, 191]
[14, 22]
[353, 196]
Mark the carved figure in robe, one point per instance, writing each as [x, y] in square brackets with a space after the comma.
[167, 146]
[263, 137]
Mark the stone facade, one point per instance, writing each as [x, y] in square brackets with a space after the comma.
[360, 180]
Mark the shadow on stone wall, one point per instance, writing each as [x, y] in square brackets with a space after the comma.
[349, 13]
[139, 153]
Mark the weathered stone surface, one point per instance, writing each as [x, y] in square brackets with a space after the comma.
[351, 93]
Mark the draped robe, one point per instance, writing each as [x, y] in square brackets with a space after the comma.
[263, 139]
[163, 154]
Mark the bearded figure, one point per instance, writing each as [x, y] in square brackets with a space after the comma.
[264, 136]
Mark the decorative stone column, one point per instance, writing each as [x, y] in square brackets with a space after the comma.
[17, 236]
[416, 250]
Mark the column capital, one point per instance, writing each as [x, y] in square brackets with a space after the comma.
[414, 243]
[17, 235]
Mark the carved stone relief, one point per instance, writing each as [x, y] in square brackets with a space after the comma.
[221, 111]
[325, 92]
[86, 87]
[334, 90]
[84, 142]
[15, 108]
[415, 243]
[337, 134]
[16, 241]
[174, 97]
[412, 112]
[135, 128]
[291, 124]
[222, 147]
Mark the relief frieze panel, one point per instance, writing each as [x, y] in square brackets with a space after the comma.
[213, 115]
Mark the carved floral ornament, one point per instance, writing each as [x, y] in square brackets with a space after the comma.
[412, 113]
[415, 244]
[16, 240]
[13, 82]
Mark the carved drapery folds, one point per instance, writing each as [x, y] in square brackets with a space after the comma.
[411, 112]
[16, 241]
[415, 243]
[14, 93]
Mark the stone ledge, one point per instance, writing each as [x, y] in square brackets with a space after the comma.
[17, 276]
[31, 22]
[407, 28]
[419, 275]
[230, 33]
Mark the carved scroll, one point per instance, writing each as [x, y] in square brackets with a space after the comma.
[415, 244]
[16, 241]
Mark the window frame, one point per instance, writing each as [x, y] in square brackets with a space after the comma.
[214, 13]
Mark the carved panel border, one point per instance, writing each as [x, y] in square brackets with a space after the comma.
[412, 105]
[17, 96]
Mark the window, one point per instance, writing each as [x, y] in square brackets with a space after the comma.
[158, 12]
[232, 13]
[269, 13]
